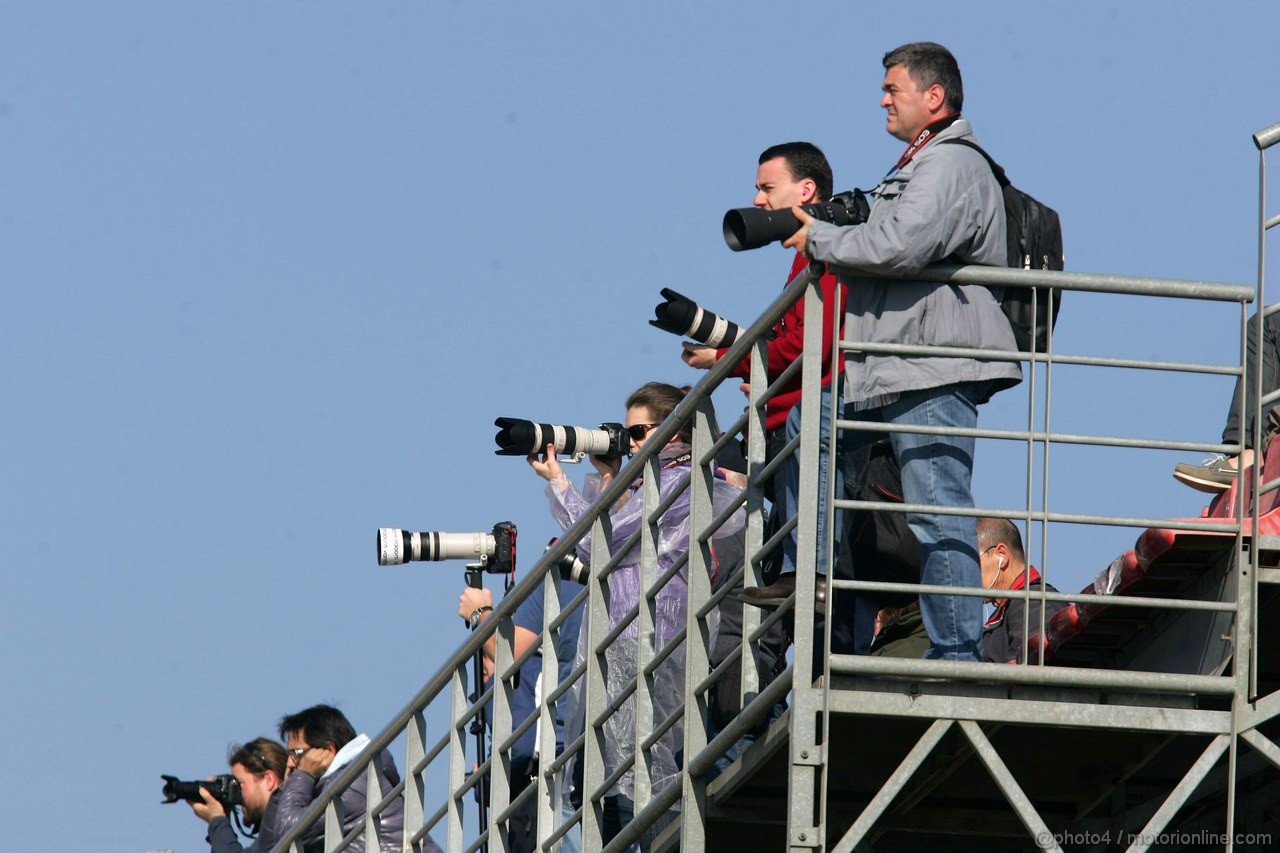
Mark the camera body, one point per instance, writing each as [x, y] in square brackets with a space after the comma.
[225, 789]
[518, 437]
[751, 227]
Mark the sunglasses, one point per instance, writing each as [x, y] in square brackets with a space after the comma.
[639, 431]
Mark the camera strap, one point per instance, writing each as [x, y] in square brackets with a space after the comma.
[926, 136]
[676, 462]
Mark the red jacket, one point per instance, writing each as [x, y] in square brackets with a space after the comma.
[788, 343]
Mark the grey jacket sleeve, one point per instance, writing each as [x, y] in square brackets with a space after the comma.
[926, 213]
[222, 837]
[296, 796]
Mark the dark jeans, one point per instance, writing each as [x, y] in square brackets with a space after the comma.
[1231, 432]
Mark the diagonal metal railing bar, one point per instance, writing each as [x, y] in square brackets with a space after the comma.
[1016, 797]
[1264, 745]
[1178, 796]
[893, 786]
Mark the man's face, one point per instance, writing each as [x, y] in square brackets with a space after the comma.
[909, 109]
[778, 189]
[255, 790]
[307, 756]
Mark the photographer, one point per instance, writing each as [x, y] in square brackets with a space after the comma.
[790, 174]
[259, 767]
[939, 202]
[647, 408]
[475, 606]
[320, 743]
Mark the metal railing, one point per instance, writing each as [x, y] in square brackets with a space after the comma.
[437, 768]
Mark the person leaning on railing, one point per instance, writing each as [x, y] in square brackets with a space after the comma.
[939, 202]
[647, 408]
[789, 174]
[321, 742]
[259, 767]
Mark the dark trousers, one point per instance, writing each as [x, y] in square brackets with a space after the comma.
[1231, 432]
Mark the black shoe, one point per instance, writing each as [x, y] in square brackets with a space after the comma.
[776, 594]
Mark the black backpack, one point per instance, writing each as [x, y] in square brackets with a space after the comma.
[1035, 242]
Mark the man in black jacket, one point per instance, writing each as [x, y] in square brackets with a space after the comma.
[1004, 567]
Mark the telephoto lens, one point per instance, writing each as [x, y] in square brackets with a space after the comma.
[569, 566]
[518, 437]
[752, 227]
[680, 315]
[396, 547]
[572, 569]
[496, 549]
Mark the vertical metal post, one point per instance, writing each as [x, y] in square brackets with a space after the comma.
[549, 791]
[457, 760]
[803, 790]
[646, 637]
[333, 818]
[752, 576]
[1046, 446]
[697, 644]
[415, 750]
[597, 626]
[372, 796]
[500, 765]
[1263, 140]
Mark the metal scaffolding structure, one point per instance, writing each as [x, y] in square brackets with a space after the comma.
[1164, 739]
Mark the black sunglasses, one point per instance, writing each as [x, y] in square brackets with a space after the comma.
[639, 431]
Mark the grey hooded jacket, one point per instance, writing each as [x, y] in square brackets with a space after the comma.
[301, 789]
[943, 204]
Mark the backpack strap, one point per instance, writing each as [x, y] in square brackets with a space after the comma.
[996, 168]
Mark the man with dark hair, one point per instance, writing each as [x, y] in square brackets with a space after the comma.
[939, 202]
[321, 742]
[259, 767]
[1004, 567]
[789, 174]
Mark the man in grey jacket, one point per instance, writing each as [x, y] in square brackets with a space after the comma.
[321, 743]
[939, 202]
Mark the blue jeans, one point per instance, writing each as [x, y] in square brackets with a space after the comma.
[937, 470]
[571, 841]
[788, 490]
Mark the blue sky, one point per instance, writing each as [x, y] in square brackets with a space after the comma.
[270, 271]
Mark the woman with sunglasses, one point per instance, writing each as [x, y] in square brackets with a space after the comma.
[647, 408]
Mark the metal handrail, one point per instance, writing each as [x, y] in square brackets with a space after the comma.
[452, 672]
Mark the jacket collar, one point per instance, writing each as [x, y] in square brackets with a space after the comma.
[1024, 579]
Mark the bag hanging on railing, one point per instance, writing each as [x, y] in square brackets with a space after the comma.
[1035, 243]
